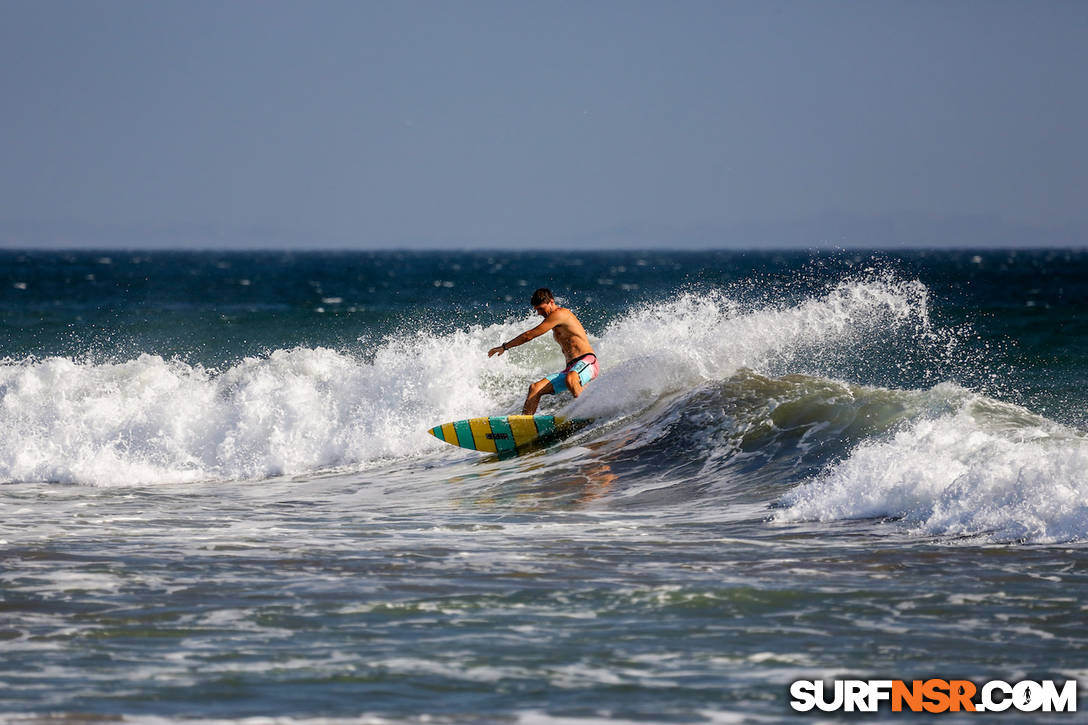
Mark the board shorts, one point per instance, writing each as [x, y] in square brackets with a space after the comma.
[585, 365]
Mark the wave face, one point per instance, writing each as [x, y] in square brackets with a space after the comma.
[754, 435]
[827, 408]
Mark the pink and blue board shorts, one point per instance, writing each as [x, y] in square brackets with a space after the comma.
[585, 365]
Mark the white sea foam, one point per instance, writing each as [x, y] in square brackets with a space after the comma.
[988, 470]
[151, 420]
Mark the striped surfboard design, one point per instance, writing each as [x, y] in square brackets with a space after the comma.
[502, 433]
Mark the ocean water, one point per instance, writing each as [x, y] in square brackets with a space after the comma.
[220, 502]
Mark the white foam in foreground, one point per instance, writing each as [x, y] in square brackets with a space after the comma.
[989, 470]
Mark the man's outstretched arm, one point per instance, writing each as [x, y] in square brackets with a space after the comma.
[549, 322]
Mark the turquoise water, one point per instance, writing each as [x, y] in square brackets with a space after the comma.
[221, 501]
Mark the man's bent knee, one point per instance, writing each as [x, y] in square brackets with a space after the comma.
[541, 387]
[537, 389]
[574, 384]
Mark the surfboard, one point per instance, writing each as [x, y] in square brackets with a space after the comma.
[506, 433]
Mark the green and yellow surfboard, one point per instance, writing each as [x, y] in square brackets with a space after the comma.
[505, 433]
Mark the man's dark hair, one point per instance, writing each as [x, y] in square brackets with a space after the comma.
[541, 296]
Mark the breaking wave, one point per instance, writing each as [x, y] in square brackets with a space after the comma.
[988, 470]
[828, 408]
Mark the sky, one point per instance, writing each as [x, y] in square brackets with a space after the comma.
[529, 125]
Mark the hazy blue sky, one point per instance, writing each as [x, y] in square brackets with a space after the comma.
[378, 124]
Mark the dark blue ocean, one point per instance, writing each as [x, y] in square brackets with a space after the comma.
[220, 501]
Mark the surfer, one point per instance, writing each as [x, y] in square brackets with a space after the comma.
[568, 332]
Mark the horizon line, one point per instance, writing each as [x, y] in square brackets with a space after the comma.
[968, 246]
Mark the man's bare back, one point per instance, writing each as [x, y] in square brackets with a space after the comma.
[572, 338]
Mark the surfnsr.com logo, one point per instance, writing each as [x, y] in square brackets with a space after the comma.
[933, 695]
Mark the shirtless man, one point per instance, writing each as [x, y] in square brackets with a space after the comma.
[568, 331]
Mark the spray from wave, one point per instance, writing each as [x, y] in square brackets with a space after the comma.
[872, 330]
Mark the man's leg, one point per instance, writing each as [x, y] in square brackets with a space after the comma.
[574, 383]
[537, 389]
